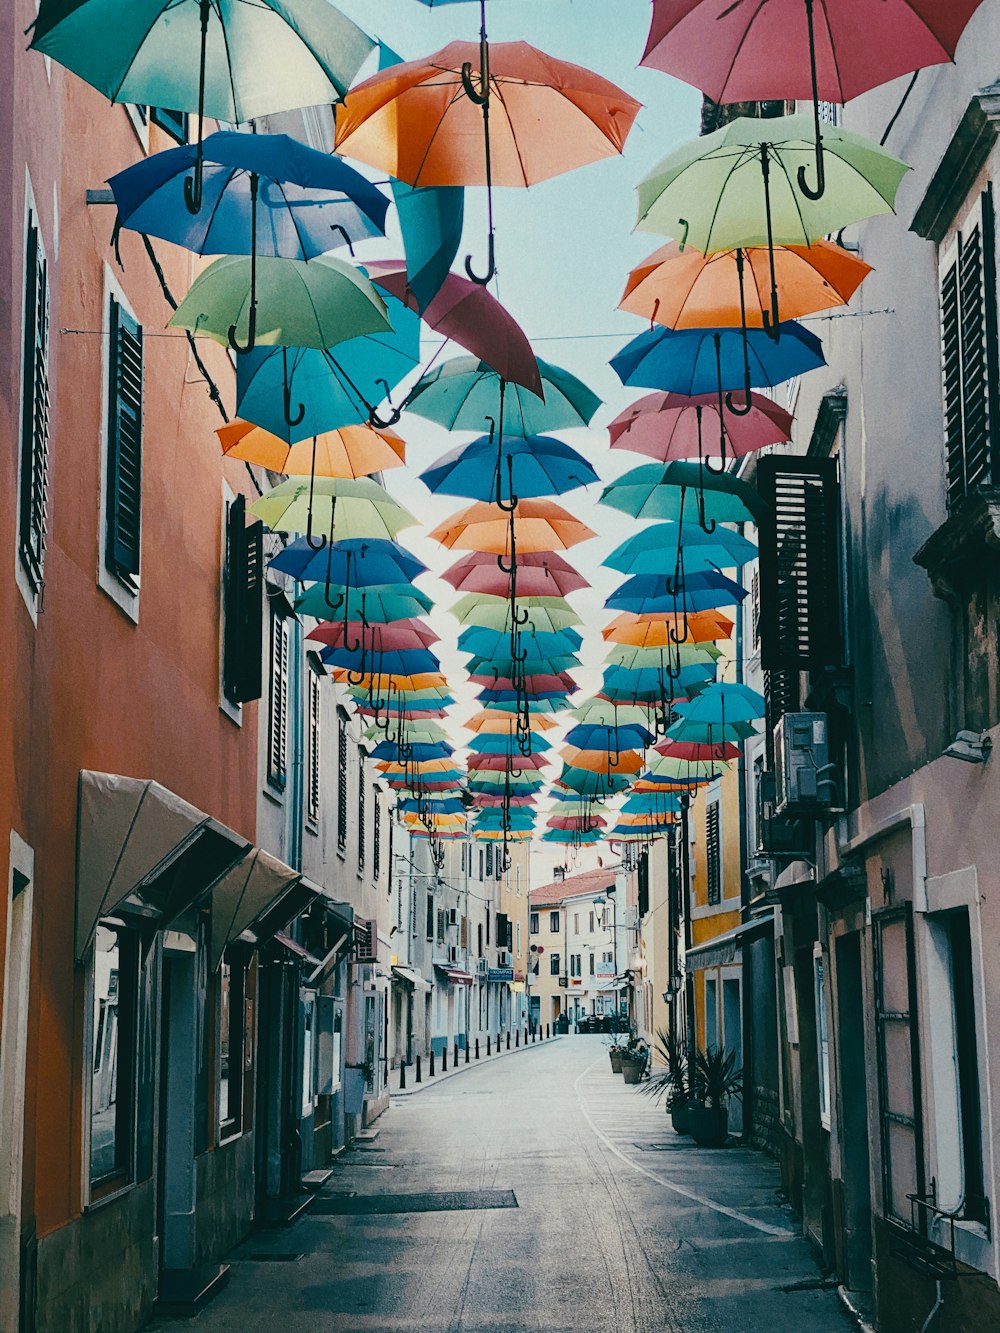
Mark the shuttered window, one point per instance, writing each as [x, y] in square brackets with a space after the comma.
[376, 835]
[800, 598]
[713, 852]
[361, 809]
[34, 409]
[123, 512]
[243, 604]
[969, 354]
[489, 860]
[341, 784]
[277, 718]
[313, 752]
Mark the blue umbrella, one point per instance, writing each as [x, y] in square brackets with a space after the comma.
[487, 743]
[430, 219]
[465, 394]
[535, 465]
[358, 561]
[417, 752]
[553, 701]
[649, 594]
[266, 194]
[485, 642]
[450, 805]
[594, 736]
[395, 662]
[295, 392]
[646, 552]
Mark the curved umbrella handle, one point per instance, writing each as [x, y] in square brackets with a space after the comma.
[252, 320]
[335, 226]
[484, 279]
[376, 422]
[242, 348]
[820, 188]
[193, 185]
[505, 568]
[522, 617]
[480, 95]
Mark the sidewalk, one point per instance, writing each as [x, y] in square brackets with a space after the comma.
[413, 1087]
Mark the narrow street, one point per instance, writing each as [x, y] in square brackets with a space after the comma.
[618, 1225]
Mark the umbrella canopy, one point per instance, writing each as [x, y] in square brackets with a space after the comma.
[416, 751]
[539, 525]
[539, 574]
[547, 615]
[589, 783]
[664, 631]
[599, 712]
[398, 634]
[465, 394]
[362, 560]
[492, 722]
[397, 662]
[710, 192]
[263, 191]
[723, 703]
[298, 304]
[488, 743]
[416, 121]
[687, 290]
[706, 360]
[430, 220]
[645, 552]
[689, 750]
[468, 314]
[483, 642]
[345, 507]
[684, 654]
[666, 426]
[595, 736]
[499, 762]
[533, 466]
[350, 451]
[380, 603]
[657, 491]
[647, 593]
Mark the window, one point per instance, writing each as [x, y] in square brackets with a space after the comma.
[969, 354]
[123, 494]
[442, 925]
[430, 916]
[34, 452]
[711, 1013]
[174, 123]
[517, 929]
[489, 860]
[642, 884]
[376, 834]
[553, 964]
[277, 714]
[822, 1037]
[243, 605]
[554, 923]
[480, 865]
[591, 922]
[532, 923]
[576, 923]
[341, 783]
[361, 808]
[113, 1054]
[591, 962]
[975, 1206]
[465, 857]
[713, 852]
[313, 752]
[755, 608]
[479, 940]
[232, 1005]
[575, 965]
[308, 1053]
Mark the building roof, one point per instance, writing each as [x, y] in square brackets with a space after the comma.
[586, 883]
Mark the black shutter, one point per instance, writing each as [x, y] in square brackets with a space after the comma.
[377, 837]
[341, 784]
[489, 860]
[800, 616]
[34, 410]
[361, 808]
[277, 730]
[244, 606]
[642, 871]
[313, 753]
[713, 852]
[124, 488]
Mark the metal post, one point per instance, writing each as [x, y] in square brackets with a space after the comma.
[418, 1069]
[455, 1061]
[508, 1039]
[402, 1075]
[517, 1038]
[444, 1058]
[477, 1048]
[487, 1043]
[431, 1070]
[466, 1048]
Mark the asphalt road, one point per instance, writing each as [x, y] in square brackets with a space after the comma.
[615, 1226]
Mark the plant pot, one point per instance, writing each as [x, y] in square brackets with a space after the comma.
[680, 1117]
[616, 1061]
[632, 1069]
[709, 1125]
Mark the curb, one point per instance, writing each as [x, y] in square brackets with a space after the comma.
[853, 1311]
[428, 1082]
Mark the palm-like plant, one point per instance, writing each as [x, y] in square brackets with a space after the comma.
[672, 1080]
[715, 1076]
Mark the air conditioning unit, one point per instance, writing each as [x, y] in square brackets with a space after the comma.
[454, 953]
[804, 778]
[779, 837]
[503, 958]
[482, 967]
[452, 916]
[760, 873]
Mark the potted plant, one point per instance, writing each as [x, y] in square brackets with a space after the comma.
[715, 1077]
[635, 1057]
[616, 1051]
[671, 1081]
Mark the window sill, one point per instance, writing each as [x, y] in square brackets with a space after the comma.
[113, 1193]
[312, 828]
[275, 796]
[233, 711]
[228, 1135]
[125, 598]
[28, 595]
[954, 553]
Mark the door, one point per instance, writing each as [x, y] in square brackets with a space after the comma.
[13, 1053]
[732, 1040]
[853, 1108]
[179, 1027]
[277, 1142]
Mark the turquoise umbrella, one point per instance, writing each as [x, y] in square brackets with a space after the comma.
[658, 490]
[382, 604]
[466, 394]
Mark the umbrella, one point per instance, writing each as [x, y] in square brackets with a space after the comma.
[420, 121]
[349, 451]
[231, 62]
[315, 303]
[595, 736]
[664, 631]
[396, 634]
[738, 53]
[365, 560]
[644, 553]
[599, 712]
[687, 654]
[481, 641]
[496, 743]
[489, 721]
[539, 574]
[415, 751]
[381, 603]
[545, 614]
[657, 491]
[430, 220]
[466, 394]
[669, 425]
[534, 466]
[487, 763]
[539, 525]
[644, 593]
[689, 750]
[725, 702]
[356, 507]
[589, 783]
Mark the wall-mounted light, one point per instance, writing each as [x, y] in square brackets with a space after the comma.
[973, 747]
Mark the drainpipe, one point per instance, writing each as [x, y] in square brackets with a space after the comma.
[746, 995]
[912, 817]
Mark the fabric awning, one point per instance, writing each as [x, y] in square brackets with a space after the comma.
[410, 978]
[724, 948]
[243, 894]
[144, 851]
[456, 975]
[614, 986]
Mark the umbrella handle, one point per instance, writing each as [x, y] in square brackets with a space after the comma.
[522, 617]
[819, 190]
[484, 279]
[193, 186]
[314, 543]
[480, 95]
[335, 226]
[375, 421]
[503, 567]
[507, 506]
[251, 342]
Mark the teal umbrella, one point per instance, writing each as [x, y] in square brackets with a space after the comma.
[658, 490]
[466, 394]
[225, 59]
[382, 604]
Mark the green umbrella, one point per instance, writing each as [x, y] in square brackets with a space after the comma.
[545, 614]
[225, 59]
[351, 507]
[466, 394]
[380, 603]
[302, 303]
[684, 654]
[657, 490]
[737, 187]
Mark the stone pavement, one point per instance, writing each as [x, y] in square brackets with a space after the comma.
[533, 1193]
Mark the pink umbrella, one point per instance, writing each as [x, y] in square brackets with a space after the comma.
[396, 635]
[499, 762]
[470, 315]
[531, 684]
[691, 750]
[666, 426]
[539, 574]
[588, 822]
[484, 800]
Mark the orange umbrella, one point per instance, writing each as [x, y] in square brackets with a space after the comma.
[654, 631]
[539, 525]
[351, 451]
[684, 289]
[427, 121]
[494, 722]
[444, 765]
[599, 761]
[403, 684]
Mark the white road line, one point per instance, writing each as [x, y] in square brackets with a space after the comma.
[783, 1232]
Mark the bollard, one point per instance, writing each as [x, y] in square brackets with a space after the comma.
[402, 1075]
[466, 1048]
[430, 1072]
[456, 1054]
[444, 1058]
[477, 1048]
[487, 1043]
[534, 1035]
[418, 1068]
[508, 1039]
[548, 1030]
[517, 1037]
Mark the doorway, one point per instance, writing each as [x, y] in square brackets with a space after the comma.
[853, 1107]
[13, 1064]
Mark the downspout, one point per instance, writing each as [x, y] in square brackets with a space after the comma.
[746, 966]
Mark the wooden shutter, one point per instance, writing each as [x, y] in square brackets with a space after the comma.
[244, 606]
[313, 750]
[969, 354]
[376, 836]
[341, 784]
[277, 736]
[124, 484]
[642, 872]
[713, 851]
[34, 409]
[361, 808]
[800, 615]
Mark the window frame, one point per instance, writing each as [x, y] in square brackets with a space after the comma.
[122, 321]
[122, 1175]
[554, 922]
[235, 959]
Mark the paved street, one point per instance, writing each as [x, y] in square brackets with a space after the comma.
[619, 1226]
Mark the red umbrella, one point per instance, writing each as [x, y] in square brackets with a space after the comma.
[543, 684]
[469, 314]
[500, 762]
[801, 49]
[588, 822]
[539, 574]
[666, 426]
[691, 750]
[396, 635]
[484, 800]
